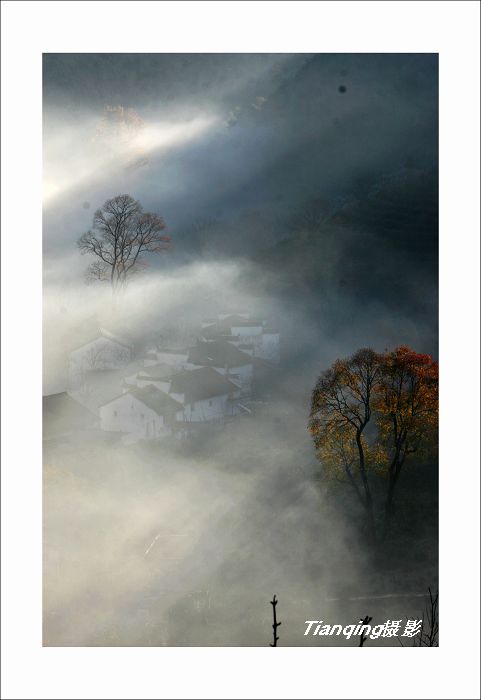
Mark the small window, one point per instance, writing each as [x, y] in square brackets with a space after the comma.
[142, 416]
[115, 413]
[210, 403]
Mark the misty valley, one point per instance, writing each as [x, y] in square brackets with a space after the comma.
[240, 384]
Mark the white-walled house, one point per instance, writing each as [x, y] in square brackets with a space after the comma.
[242, 331]
[248, 330]
[176, 359]
[227, 360]
[205, 396]
[101, 385]
[150, 374]
[235, 328]
[98, 350]
[270, 346]
[144, 413]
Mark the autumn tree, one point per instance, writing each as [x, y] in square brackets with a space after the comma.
[341, 409]
[406, 412]
[121, 236]
[369, 414]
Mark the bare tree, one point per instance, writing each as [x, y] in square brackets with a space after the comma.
[276, 624]
[429, 636]
[365, 621]
[429, 632]
[121, 236]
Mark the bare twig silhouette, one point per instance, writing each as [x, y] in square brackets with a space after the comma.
[429, 636]
[276, 624]
[429, 633]
[366, 621]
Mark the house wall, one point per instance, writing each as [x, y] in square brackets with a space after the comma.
[270, 347]
[211, 409]
[242, 376]
[102, 353]
[251, 331]
[127, 414]
[248, 334]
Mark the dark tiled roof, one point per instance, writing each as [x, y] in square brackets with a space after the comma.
[90, 330]
[214, 333]
[177, 351]
[238, 321]
[157, 371]
[153, 398]
[65, 407]
[218, 353]
[202, 383]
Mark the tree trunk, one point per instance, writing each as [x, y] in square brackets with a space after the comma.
[367, 491]
[394, 472]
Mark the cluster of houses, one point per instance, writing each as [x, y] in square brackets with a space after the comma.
[155, 391]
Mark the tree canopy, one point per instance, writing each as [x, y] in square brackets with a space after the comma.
[121, 236]
[369, 414]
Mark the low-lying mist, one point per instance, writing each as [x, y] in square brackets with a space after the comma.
[300, 189]
[185, 543]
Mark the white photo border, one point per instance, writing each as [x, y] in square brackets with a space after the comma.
[32, 28]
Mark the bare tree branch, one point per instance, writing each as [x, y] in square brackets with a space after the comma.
[276, 624]
[121, 235]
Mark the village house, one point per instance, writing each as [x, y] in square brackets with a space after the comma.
[151, 411]
[100, 385]
[228, 360]
[270, 346]
[163, 390]
[242, 331]
[203, 394]
[150, 374]
[176, 359]
[143, 413]
[63, 417]
[95, 349]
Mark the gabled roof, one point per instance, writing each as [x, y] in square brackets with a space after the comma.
[238, 321]
[171, 351]
[91, 329]
[151, 397]
[218, 353]
[157, 371]
[63, 406]
[215, 333]
[199, 384]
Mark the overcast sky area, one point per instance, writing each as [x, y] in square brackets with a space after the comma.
[312, 177]
[299, 188]
[243, 143]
